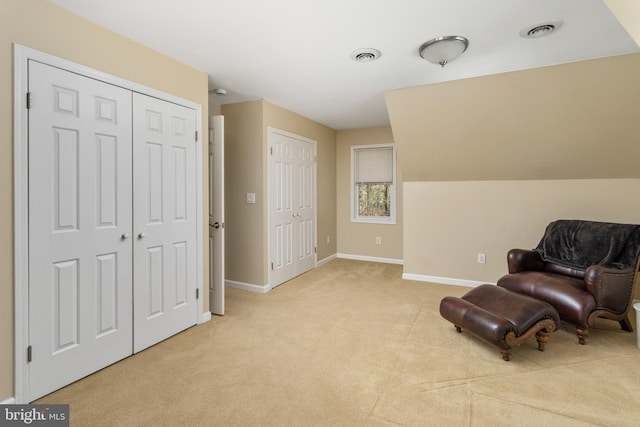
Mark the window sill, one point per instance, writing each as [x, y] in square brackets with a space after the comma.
[385, 221]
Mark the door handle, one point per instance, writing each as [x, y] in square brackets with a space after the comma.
[141, 235]
[216, 225]
[125, 236]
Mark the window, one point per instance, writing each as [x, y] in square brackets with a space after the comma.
[373, 190]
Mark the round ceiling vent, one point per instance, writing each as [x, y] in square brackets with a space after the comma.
[365, 55]
[540, 30]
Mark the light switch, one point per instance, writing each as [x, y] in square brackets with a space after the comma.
[251, 197]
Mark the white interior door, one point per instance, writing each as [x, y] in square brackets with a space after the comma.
[292, 209]
[164, 206]
[216, 216]
[80, 278]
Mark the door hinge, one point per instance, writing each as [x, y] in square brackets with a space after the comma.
[28, 100]
[197, 293]
[272, 266]
[196, 136]
[29, 354]
[315, 249]
[271, 150]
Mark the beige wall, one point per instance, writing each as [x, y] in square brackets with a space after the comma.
[246, 170]
[243, 163]
[40, 25]
[448, 223]
[359, 239]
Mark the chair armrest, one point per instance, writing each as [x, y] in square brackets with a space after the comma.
[519, 260]
[611, 287]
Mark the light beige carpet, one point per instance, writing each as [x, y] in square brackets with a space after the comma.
[352, 344]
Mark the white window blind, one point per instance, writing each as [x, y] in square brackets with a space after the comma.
[374, 165]
[373, 189]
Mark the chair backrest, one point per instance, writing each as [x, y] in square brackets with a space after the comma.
[552, 267]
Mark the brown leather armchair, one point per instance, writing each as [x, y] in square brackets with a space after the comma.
[584, 269]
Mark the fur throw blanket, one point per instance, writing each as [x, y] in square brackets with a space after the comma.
[579, 244]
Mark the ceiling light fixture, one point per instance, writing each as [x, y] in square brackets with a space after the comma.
[443, 50]
[219, 91]
[365, 55]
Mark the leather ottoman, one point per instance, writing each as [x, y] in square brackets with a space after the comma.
[500, 317]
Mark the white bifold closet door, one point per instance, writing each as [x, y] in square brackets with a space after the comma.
[164, 206]
[292, 217]
[80, 186]
[112, 224]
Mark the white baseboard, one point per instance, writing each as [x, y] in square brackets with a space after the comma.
[206, 316]
[371, 259]
[247, 286]
[443, 280]
[327, 259]
[9, 401]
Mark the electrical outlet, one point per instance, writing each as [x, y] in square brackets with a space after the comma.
[482, 259]
[328, 240]
[378, 240]
[251, 198]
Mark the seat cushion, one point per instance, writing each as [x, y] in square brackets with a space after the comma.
[519, 310]
[566, 294]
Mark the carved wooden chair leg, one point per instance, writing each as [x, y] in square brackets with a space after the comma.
[506, 354]
[582, 335]
[542, 337]
[625, 324]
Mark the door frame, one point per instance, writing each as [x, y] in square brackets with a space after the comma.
[21, 56]
[270, 131]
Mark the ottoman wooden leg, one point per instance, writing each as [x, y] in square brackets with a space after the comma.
[543, 337]
[539, 329]
[458, 329]
[506, 354]
[582, 334]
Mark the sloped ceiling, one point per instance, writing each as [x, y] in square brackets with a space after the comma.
[628, 13]
[571, 121]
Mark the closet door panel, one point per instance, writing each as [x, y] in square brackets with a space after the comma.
[164, 220]
[80, 189]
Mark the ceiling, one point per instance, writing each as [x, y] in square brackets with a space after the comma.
[297, 54]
